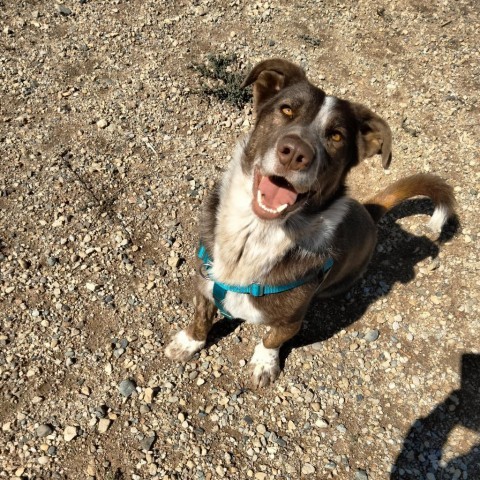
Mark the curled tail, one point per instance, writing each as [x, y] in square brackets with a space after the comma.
[421, 184]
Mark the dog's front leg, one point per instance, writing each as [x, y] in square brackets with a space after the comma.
[189, 341]
[265, 362]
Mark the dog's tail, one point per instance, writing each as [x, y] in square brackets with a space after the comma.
[421, 184]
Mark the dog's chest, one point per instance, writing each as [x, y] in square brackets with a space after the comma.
[245, 251]
[245, 248]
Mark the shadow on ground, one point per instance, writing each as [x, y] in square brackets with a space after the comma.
[394, 260]
[421, 455]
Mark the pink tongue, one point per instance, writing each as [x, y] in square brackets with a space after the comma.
[275, 196]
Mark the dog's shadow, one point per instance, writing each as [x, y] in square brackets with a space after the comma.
[395, 257]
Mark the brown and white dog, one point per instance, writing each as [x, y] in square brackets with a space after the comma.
[281, 210]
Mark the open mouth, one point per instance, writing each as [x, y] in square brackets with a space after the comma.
[273, 196]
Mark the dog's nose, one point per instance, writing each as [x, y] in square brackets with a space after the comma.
[294, 153]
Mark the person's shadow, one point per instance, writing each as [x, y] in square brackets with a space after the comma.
[423, 446]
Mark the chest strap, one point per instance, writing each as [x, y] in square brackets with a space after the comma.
[255, 289]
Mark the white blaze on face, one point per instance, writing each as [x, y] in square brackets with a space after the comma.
[325, 112]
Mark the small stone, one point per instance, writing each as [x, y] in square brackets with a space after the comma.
[321, 423]
[52, 261]
[102, 123]
[147, 442]
[248, 420]
[308, 469]
[70, 433]
[361, 475]
[101, 411]
[104, 425]
[108, 299]
[43, 460]
[174, 261]
[261, 429]
[91, 286]
[372, 335]
[341, 428]
[52, 450]
[63, 10]
[127, 387]
[260, 476]
[148, 395]
[44, 430]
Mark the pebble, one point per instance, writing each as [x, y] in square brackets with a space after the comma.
[62, 9]
[44, 430]
[147, 442]
[174, 261]
[91, 286]
[102, 123]
[52, 261]
[308, 469]
[361, 475]
[148, 395]
[127, 387]
[70, 433]
[104, 425]
[371, 335]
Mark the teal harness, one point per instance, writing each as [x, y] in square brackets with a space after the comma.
[255, 289]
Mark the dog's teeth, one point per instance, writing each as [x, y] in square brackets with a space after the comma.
[259, 197]
[281, 208]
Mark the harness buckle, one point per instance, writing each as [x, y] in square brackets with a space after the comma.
[256, 290]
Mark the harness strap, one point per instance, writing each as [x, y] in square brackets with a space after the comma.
[255, 289]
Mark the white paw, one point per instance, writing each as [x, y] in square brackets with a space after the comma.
[265, 366]
[182, 347]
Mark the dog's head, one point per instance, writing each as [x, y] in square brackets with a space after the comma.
[304, 142]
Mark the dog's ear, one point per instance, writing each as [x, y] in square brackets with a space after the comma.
[376, 136]
[269, 77]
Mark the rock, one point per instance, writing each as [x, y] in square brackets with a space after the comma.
[70, 433]
[52, 261]
[44, 430]
[104, 425]
[174, 261]
[63, 10]
[91, 286]
[147, 442]
[360, 475]
[148, 395]
[127, 387]
[102, 123]
[371, 335]
[321, 423]
[308, 469]
[101, 411]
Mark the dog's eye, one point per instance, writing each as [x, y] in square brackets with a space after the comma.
[287, 111]
[336, 136]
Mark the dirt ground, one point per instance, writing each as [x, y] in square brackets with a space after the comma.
[116, 119]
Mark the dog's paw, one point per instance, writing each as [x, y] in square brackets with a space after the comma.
[265, 366]
[182, 347]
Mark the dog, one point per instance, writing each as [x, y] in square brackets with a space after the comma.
[280, 228]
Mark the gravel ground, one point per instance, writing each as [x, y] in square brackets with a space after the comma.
[109, 142]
